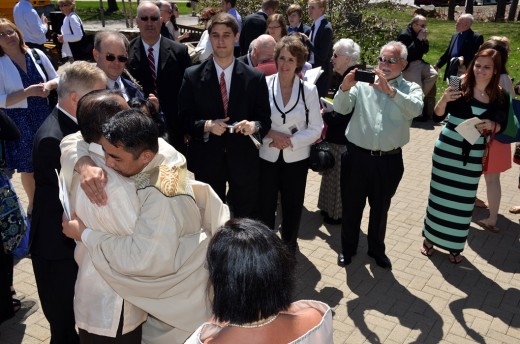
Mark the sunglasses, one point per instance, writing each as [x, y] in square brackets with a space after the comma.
[152, 18]
[336, 55]
[204, 20]
[8, 33]
[390, 60]
[63, 5]
[112, 58]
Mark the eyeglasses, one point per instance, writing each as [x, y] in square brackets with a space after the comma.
[273, 27]
[336, 55]
[6, 34]
[391, 60]
[152, 18]
[60, 5]
[112, 58]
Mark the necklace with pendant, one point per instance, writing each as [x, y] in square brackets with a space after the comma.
[259, 323]
[482, 93]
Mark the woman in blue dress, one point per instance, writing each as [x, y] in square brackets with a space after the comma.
[25, 83]
[456, 163]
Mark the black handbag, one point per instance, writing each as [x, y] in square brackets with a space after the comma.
[82, 49]
[320, 158]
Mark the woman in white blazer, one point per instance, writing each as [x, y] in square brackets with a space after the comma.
[71, 28]
[26, 78]
[296, 124]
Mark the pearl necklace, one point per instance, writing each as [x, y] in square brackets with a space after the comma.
[259, 323]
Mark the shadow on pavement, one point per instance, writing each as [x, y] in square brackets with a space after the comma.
[378, 290]
[483, 294]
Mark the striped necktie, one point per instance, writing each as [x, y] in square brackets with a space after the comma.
[223, 92]
[151, 61]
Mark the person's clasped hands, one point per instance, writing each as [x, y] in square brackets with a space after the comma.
[219, 127]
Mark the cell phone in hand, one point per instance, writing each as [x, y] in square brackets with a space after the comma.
[455, 82]
[365, 76]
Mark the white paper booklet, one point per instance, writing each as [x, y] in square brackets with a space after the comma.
[327, 104]
[64, 194]
[468, 131]
[312, 75]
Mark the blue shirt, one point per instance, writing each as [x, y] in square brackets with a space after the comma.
[29, 22]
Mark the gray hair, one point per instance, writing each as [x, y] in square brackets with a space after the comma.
[79, 77]
[349, 48]
[468, 17]
[418, 18]
[399, 46]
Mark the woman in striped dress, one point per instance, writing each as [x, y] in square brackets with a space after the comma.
[456, 164]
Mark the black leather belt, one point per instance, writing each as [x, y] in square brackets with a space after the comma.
[376, 152]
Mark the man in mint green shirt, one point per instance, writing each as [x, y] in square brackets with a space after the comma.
[372, 166]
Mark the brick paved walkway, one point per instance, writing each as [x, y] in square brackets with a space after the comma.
[421, 300]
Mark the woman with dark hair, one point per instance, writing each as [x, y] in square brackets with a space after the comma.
[8, 303]
[172, 26]
[276, 26]
[204, 45]
[457, 164]
[149, 108]
[26, 79]
[251, 273]
[296, 123]
[499, 153]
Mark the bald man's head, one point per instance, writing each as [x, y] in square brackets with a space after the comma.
[264, 48]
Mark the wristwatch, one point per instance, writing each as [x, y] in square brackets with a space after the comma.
[257, 126]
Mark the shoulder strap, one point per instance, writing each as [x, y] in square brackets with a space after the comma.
[304, 103]
[38, 60]
[80, 24]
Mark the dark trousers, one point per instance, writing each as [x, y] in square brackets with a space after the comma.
[217, 167]
[132, 337]
[289, 179]
[376, 178]
[55, 281]
[6, 280]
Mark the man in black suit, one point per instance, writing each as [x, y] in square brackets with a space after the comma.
[256, 24]
[320, 43]
[170, 59]
[111, 54]
[52, 252]
[214, 96]
[462, 48]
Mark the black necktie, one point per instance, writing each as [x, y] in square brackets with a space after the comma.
[312, 32]
[116, 85]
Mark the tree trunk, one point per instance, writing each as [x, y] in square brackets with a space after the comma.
[451, 9]
[112, 6]
[469, 6]
[512, 10]
[501, 11]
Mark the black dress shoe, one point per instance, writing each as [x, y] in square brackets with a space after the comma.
[382, 260]
[331, 221]
[344, 261]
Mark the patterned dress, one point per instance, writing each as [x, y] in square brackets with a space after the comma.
[28, 120]
[454, 182]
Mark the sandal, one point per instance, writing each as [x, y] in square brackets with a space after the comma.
[427, 250]
[453, 257]
[515, 210]
[488, 227]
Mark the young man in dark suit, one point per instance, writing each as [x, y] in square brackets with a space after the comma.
[218, 94]
[255, 24]
[295, 15]
[169, 60]
[320, 43]
[463, 46]
[52, 252]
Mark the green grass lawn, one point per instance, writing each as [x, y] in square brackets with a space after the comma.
[89, 10]
[440, 32]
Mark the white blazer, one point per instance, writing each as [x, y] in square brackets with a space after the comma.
[10, 80]
[305, 135]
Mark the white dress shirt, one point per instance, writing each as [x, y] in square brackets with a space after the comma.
[29, 22]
